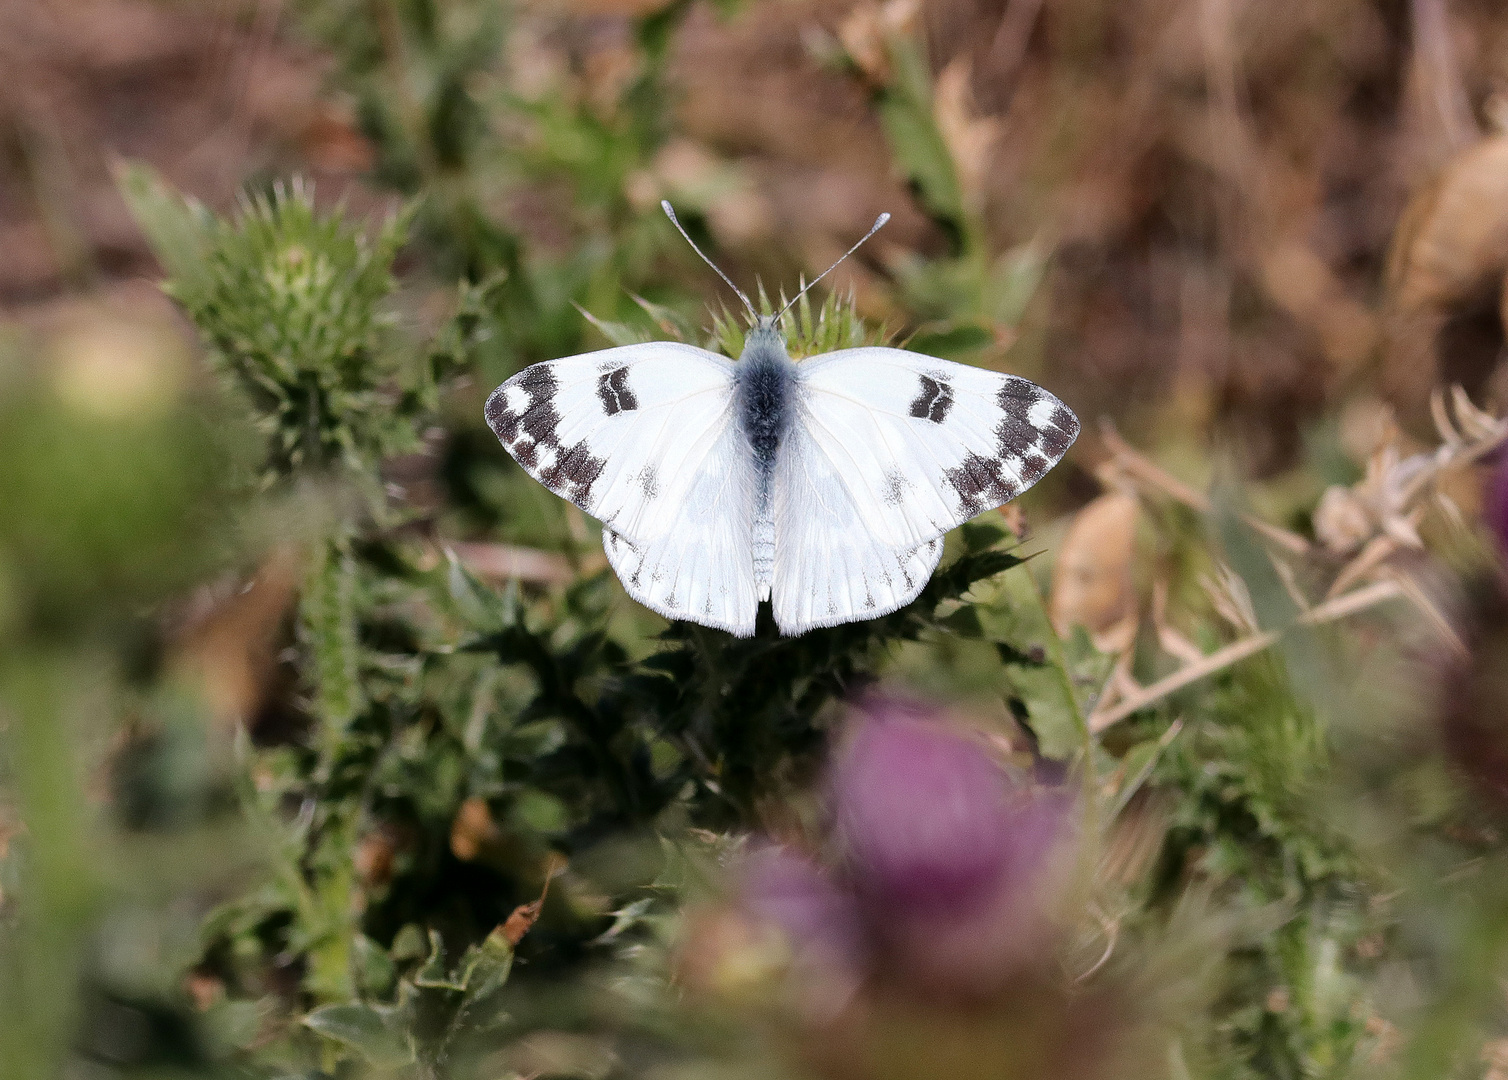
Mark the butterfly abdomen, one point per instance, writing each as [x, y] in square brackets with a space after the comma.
[764, 389]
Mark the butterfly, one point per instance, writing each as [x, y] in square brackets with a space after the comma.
[824, 487]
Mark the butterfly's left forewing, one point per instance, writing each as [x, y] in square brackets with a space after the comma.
[642, 438]
[888, 451]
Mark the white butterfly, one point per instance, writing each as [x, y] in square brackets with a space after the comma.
[823, 486]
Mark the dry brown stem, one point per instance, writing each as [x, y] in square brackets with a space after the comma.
[1331, 610]
[1127, 462]
[1382, 515]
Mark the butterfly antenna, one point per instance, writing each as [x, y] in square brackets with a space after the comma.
[879, 223]
[670, 213]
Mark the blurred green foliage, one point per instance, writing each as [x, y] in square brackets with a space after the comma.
[322, 885]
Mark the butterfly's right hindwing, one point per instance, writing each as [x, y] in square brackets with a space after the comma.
[830, 566]
[643, 438]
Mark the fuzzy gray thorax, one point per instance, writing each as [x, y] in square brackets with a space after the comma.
[764, 381]
[764, 391]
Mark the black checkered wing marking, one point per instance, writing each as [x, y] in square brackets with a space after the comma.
[642, 438]
[622, 432]
[922, 445]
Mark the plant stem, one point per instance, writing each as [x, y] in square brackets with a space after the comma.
[1331, 610]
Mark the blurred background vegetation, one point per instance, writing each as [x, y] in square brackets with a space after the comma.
[329, 747]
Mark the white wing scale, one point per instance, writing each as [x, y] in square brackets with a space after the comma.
[642, 438]
[698, 564]
[924, 444]
[889, 450]
[830, 567]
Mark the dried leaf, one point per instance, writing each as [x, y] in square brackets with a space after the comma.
[521, 921]
[1092, 584]
[1303, 284]
[509, 562]
[373, 859]
[1446, 279]
[230, 649]
[473, 829]
[1495, 1057]
[866, 31]
[970, 138]
[525, 915]
[1341, 521]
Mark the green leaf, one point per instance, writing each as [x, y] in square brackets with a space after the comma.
[980, 535]
[375, 972]
[951, 339]
[408, 944]
[671, 322]
[480, 605]
[615, 332]
[363, 1029]
[964, 622]
[434, 974]
[487, 967]
[179, 229]
[1010, 610]
[915, 140]
[1012, 282]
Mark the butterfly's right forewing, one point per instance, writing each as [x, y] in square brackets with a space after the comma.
[888, 451]
[643, 438]
[924, 444]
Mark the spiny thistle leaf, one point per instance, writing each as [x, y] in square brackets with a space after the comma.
[834, 325]
[734, 707]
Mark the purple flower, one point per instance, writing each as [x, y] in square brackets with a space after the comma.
[1495, 509]
[923, 815]
[819, 920]
[950, 856]
[783, 888]
[945, 866]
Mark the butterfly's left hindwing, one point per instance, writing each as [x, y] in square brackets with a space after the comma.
[642, 437]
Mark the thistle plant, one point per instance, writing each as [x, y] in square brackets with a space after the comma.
[460, 737]
[289, 301]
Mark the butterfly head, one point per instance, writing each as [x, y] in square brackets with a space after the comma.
[766, 330]
[765, 339]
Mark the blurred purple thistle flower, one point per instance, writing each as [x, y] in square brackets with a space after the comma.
[819, 920]
[922, 815]
[1496, 507]
[944, 861]
[947, 853]
[785, 889]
